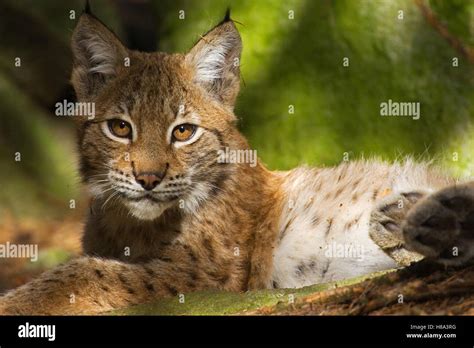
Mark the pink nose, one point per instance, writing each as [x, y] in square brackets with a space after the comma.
[148, 180]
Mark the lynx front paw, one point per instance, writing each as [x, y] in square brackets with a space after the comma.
[441, 226]
[385, 226]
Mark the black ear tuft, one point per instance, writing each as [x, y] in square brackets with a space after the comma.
[227, 15]
[87, 8]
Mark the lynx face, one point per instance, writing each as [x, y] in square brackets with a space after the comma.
[160, 119]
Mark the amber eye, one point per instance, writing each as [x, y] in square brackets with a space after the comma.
[120, 128]
[183, 132]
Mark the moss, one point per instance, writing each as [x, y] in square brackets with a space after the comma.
[223, 303]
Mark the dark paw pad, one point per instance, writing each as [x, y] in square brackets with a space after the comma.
[458, 204]
[440, 221]
[442, 225]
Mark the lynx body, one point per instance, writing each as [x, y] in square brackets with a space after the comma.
[168, 218]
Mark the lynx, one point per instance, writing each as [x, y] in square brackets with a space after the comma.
[168, 218]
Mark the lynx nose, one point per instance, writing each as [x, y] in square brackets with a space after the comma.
[149, 180]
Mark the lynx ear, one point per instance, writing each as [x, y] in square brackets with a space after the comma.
[215, 61]
[98, 54]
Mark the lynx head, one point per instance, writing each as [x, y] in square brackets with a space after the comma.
[160, 119]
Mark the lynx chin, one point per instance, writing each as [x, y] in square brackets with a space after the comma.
[158, 189]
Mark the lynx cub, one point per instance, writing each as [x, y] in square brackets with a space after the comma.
[167, 218]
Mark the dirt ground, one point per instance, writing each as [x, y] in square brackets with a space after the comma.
[422, 289]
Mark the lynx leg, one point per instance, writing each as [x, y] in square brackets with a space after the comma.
[385, 227]
[441, 226]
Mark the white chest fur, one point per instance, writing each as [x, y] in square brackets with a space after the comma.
[323, 233]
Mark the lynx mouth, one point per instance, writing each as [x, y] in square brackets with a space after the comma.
[161, 196]
[149, 204]
[144, 198]
[146, 209]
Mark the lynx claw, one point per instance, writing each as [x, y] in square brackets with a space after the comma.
[385, 226]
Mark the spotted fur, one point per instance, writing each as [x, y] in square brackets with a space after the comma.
[211, 225]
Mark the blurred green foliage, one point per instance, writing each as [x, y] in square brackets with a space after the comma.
[44, 176]
[299, 62]
[285, 62]
[49, 258]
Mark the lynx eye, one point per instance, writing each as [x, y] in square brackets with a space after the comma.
[120, 128]
[183, 132]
